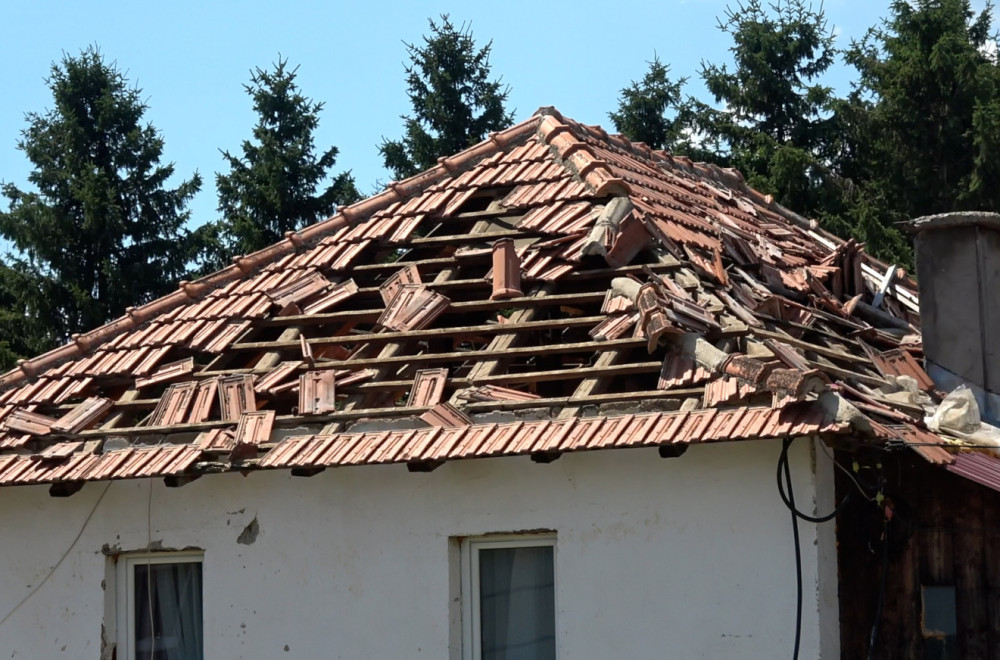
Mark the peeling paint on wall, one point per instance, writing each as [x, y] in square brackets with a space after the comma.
[249, 533]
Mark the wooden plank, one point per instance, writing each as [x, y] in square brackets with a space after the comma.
[466, 307]
[402, 411]
[970, 576]
[528, 376]
[935, 540]
[507, 340]
[470, 237]
[461, 331]
[596, 381]
[991, 559]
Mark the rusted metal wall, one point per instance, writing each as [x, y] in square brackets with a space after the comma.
[944, 531]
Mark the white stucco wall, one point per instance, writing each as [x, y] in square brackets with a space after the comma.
[656, 558]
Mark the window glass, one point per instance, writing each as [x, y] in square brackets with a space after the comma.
[940, 623]
[517, 603]
[161, 610]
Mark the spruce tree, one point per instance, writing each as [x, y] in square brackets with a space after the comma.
[99, 229]
[776, 121]
[278, 182]
[926, 129]
[652, 110]
[455, 103]
[22, 334]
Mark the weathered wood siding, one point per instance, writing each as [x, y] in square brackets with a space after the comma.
[944, 531]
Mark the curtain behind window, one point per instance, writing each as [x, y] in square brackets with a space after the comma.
[517, 603]
[173, 629]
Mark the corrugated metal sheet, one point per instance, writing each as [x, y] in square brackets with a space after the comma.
[978, 467]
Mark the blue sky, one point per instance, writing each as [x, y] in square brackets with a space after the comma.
[192, 58]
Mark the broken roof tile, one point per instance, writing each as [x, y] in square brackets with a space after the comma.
[317, 393]
[236, 396]
[711, 246]
[412, 308]
[428, 387]
[254, 427]
[28, 422]
[445, 414]
[276, 376]
[167, 372]
[406, 275]
[83, 416]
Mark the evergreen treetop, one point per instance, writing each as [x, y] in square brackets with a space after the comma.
[455, 103]
[101, 229]
[652, 110]
[278, 182]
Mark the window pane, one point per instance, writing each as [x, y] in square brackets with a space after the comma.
[517, 603]
[168, 623]
[940, 623]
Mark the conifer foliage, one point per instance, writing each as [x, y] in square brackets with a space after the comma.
[100, 228]
[927, 109]
[775, 118]
[652, 110]
[455, 103]
[278, 182]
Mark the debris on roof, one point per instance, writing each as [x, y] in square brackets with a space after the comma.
[514, 299]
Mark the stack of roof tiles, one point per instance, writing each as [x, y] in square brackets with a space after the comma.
[551, 273]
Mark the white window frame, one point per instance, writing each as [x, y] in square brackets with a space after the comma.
[471, 613]
[125, 601]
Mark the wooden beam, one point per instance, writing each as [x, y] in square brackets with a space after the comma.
[461, 331]
[118, 414]
[507, 340]
[272, 358]
[594, 383]
[455, 308]
[286, 421]
[819, 350]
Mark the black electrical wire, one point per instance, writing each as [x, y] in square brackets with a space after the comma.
[790, 501]
[784, 478]
[873, 637]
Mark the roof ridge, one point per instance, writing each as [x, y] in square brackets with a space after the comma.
[574, 154]
[727, 176]
[244, 265]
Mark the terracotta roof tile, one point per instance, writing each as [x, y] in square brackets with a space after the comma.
[718, 260]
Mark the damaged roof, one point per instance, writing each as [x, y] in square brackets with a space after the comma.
[554, 288]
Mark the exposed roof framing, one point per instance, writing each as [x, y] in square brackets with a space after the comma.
[553, 273]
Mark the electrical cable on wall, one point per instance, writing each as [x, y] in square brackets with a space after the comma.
[787, 493]
[873, 637]
[61, 559]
